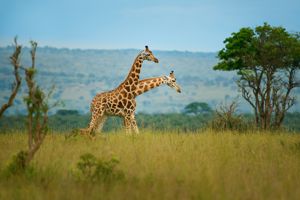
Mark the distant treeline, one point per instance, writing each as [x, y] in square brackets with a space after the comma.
[67, 121]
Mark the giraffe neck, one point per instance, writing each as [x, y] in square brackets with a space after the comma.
[133, 76]
[148, 84]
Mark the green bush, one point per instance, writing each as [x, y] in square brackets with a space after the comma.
[96, 170]
[18, 166]
[226, 118]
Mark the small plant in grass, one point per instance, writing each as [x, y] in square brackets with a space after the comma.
[18, 166]
[226, 118]
[96, 170]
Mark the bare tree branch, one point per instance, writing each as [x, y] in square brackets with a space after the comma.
[15, 61]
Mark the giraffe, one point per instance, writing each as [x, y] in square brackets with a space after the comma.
[150, 83]
[120, 101]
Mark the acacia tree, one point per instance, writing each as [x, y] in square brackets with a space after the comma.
[197, 108]
[267, 60]
[15, 61]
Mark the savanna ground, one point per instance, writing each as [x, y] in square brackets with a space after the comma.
[158, 165]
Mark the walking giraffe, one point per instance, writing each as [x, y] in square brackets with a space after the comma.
[148, 84]
[120, 101]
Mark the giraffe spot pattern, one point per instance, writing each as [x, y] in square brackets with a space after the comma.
[120, 101]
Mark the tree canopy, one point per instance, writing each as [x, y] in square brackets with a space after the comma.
[266, 59]
[197, 108]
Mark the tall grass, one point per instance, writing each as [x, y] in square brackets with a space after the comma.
[158, 165]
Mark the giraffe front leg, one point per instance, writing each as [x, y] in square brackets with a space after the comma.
[127, 124]
[134, 124]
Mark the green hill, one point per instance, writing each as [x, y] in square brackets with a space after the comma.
[79, 74]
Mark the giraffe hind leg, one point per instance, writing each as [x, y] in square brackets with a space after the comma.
[101, 123]
[94, 123]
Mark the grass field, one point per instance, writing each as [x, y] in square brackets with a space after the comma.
[202, 165]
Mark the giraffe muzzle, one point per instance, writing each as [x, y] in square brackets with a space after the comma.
[156, 60]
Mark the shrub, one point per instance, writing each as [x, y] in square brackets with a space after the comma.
[226, 118]
[18, 166]
[96, 170]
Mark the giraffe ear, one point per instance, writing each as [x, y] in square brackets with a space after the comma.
[172, 74]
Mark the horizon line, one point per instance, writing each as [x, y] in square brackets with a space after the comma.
[111, 49]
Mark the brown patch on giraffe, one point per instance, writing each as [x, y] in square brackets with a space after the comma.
[132, 106]
[130, 81]
[154, 80]
[115, 100]
[127, 88]
[124, 101]
[129, 104]
[138, 70]
[133, 88]
[130, 95]
[120, 104]
[123, 93]
[152, 85]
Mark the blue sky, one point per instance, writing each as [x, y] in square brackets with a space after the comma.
[193, 25]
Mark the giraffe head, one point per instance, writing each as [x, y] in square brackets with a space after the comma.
[171, 81]
[148, 55]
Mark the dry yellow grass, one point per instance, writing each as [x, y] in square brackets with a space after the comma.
[204, 165]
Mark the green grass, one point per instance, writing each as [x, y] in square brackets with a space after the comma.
[205, 165]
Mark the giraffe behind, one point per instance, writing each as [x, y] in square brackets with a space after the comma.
[120, 101]
[148, 84]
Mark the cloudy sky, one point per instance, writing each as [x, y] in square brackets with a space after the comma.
[192, 25]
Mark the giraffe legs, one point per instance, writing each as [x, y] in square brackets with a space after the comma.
[130, 124]
[101, 123]
[127, 124]
[96, 120]
[134, 124]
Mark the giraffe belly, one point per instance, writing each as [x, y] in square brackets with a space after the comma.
[120, 108]
[115, 103]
